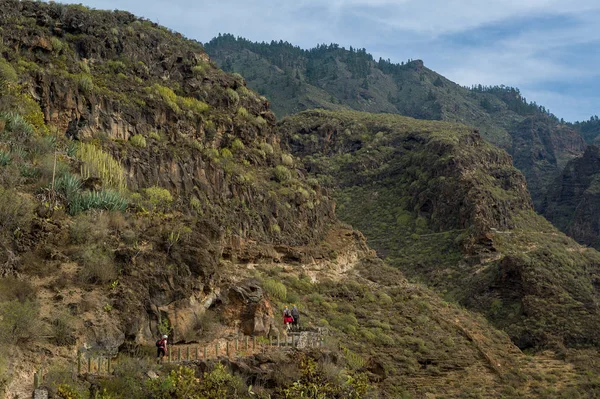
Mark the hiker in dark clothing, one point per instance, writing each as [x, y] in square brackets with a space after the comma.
[296, 316]
[161, 348]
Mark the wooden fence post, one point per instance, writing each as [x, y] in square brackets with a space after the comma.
[247, 343]
[78, 363]
[188, 354]
[179, 354]
[293, 341]
[170, 356]
[36, 380]
[99, 365]
[217, 349]
[90, 365]
[254, 342]
[278, 342]
[108, 365]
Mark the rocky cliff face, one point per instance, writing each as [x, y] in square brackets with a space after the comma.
[176, 126]
[541, 149]
[110, 76]
[449, 209]
[572, 204]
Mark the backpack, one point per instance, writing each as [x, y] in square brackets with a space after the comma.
[286, 313]
[159, 343]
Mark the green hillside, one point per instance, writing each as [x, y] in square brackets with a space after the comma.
[450, 211]
[334, 78]
[145, 192]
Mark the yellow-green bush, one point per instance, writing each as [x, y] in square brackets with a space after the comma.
[85, 83]
[138, 141]
[193, 105]
[243, 112]
[199, 69]
[167, 95]
[237, 145]
[267, 148]
[233, 96]
[177, 103]
[275, 289]
[7, 72]
[260, 121]
[157, 198]
[282, 174]
[183, 384]
[97, 163]
[57, 44]
[287, 160]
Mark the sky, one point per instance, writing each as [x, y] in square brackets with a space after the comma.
[546, 48]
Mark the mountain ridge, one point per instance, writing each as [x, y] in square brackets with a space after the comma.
[331, 77]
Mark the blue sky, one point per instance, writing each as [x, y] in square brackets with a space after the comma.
[547, 48]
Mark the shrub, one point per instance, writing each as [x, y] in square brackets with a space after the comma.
[97, 266]
[16, 210]
[57, 44]
[275, 289]
[282, 174]
[167, 95]
[7, 72]
[158, 199]
[19, 323]
[226, 153]
[354, 360]
[98, 163]
[85, 83]
[193, 105]
[287, 160]
[62, 330]
[155, 135]
[232, 95]
[237, 145]
[88, 227]
[260, 121]
[180, 383]
[13, 289]
[199, 70]
[116, 66]
[267, 148]
[243, 112]
[138, 141]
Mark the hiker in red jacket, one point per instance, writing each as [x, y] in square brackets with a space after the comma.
[161, 348]
[287, 318]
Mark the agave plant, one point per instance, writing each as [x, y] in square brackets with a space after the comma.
[5, 158]
[17, 125]
[69, 186]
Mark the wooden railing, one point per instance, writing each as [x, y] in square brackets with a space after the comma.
[230, 348]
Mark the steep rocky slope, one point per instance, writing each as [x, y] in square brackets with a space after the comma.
[572, 204]
[449, 209]
[334, 78]
[143, 191]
